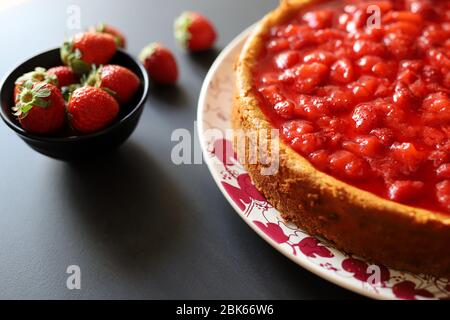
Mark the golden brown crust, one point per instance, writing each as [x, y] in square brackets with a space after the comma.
[356, 221]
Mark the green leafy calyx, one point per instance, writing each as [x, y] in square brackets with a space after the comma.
[37, 75]
[31, 96]
[182, 25]
[94, 79]
[72, 57]
[148, 51]
[68, 90]
[101, 27]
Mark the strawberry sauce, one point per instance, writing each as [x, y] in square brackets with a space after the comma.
[366, 103]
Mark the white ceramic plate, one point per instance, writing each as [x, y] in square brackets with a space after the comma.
[313, 254]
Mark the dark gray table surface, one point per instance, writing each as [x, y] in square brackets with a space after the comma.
[136, 224]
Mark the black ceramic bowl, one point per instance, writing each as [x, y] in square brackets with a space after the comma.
[67, 146]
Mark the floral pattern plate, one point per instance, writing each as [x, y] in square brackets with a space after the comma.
[313, 254]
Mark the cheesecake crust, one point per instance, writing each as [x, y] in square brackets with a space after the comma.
[355, 221]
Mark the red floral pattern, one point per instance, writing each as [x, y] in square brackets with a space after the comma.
[407, 290]
[361, 271]
[273, 231]
[311, 247]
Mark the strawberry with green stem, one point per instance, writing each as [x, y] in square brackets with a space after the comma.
[64, 74]
[67, 79]
[87, 49]
[40, 108]
[160, 63]
[194, 32]
[91, 109]
[37, 75]
[109, 29]
[119, 81]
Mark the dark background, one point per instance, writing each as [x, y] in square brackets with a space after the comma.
[137, 225]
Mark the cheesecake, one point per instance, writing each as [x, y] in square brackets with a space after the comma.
[359, 92]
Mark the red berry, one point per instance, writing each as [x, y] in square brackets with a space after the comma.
[365, 117]
[194, 31]
[406, 76]
[366, 63]
[405, 16]
[347, 165]
[269, 78]
[320, 159]
[119, 81]
[403, 97]
[443, 194]
[384, 135]
[365, 88]
[405, 191]
[308, 143]
[120, 39]
[287, 59]
[423, 7]
[368, 146]
[383, 69]
[437, 108]
[366, 47]
[311, 107]
[433, 136]
[91, 109]
[399, 45]
[403, 28]
[341, 99]
[319, 19]
[307, 76]
[160, 63]
[86, 49]
[320, 56]
[285, 109]
[408, 154]
[437, 102]
[64, 74]
[40, 108]
[342, 71]
[296, 128]
[272, 94]
[278, 45]
[443, 171]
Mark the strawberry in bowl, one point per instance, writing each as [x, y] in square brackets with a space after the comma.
[119, 81]
[87, 49]
[94, 118]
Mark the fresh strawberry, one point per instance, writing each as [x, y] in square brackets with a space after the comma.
[119, 81]
[64, 74]
[38, 75]
[121, 41]
[91, 109]
[160, 63]
[194, 32]
[40, 108]
[86, 49]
